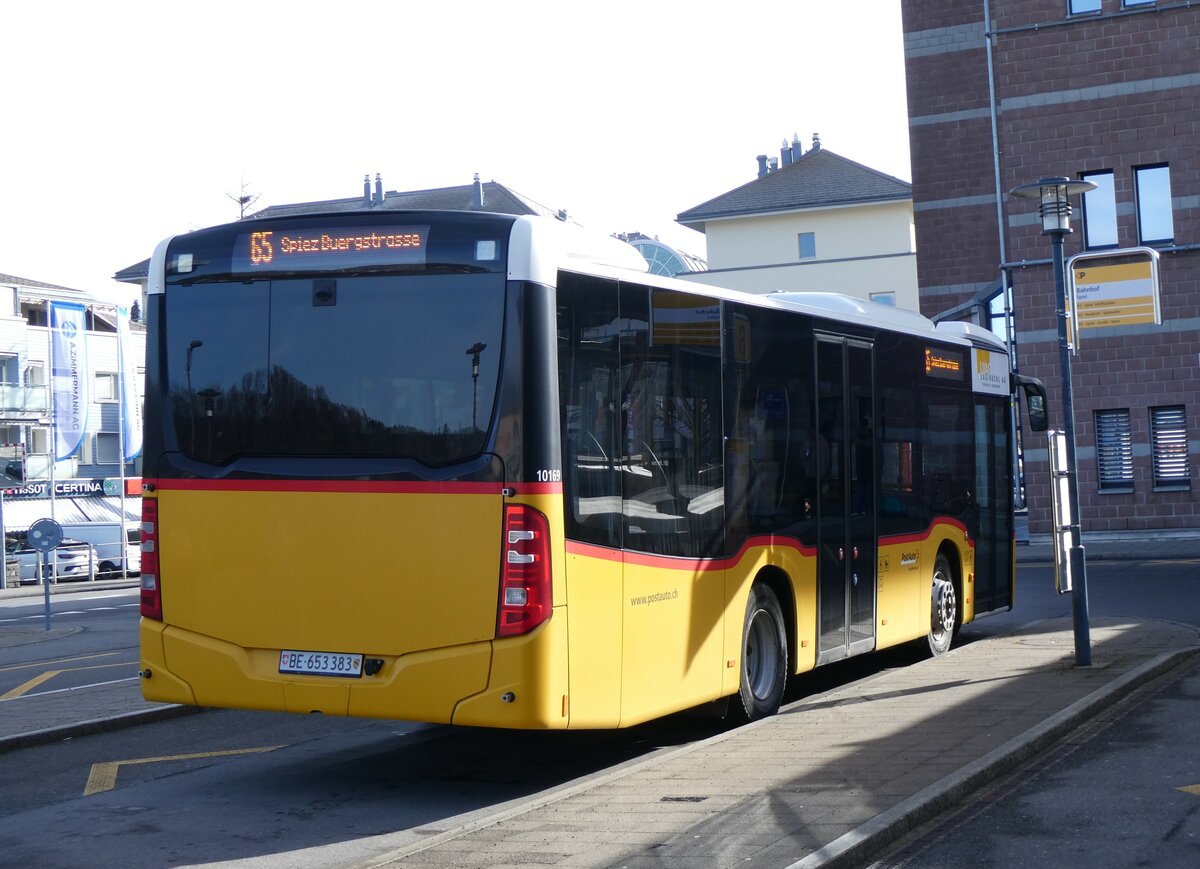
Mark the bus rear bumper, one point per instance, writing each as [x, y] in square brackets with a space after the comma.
[194, 669]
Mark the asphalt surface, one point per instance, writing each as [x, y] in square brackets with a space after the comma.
[830, 781]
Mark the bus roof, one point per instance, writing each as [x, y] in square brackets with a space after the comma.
[540, 246]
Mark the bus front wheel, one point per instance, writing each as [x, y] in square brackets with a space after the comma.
[764, 655]
[943, 615]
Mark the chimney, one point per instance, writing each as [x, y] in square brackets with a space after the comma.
[797, 148]
[478, 202]
[367, 191]
[762, 165]
[773, 165]
[378, 189]
[816, 142]
[785, 154]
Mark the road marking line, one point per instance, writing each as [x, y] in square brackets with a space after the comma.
[103, 776]
[57, 661]
[30, 685]
[72, 688]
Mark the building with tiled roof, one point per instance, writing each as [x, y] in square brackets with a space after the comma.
[477, 196]
[812, 221]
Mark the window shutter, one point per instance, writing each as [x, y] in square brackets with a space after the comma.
[1114, 449]
[1169, 443]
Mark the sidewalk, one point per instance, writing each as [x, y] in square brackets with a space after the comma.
[1118, 547]
[831, 779]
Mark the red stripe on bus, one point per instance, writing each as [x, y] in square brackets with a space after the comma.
[697, 565]
[387, 487]
[899, 539]
[692, 565]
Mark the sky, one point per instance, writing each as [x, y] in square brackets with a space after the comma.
[127, 122]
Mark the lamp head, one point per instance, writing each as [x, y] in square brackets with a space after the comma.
[1054, 197]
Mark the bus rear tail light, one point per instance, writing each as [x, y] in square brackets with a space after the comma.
[151, 584]
[525, 594]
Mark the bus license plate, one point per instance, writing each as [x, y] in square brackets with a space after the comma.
[320, 663]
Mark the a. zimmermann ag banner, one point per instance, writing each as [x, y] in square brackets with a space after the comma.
[68, 376]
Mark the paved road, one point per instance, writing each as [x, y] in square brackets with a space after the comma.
[851, 761]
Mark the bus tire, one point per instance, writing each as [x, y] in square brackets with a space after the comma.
[764, 655]
[943, 611]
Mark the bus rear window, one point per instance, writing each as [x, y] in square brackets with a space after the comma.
[399, 366]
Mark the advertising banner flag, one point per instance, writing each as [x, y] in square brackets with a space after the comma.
[68, 376]
[131, 407]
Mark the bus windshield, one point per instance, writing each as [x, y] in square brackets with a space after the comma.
[322, 367]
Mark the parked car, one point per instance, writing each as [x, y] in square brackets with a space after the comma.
[73, 559]
[105, 537]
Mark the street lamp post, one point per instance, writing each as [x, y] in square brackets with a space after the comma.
[192, 346]
[1055, 209]
[473, 351]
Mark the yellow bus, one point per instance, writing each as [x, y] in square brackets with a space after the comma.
[481, 469]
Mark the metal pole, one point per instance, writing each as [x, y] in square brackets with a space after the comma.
[1079, 599]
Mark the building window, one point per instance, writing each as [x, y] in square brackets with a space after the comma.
[1169, 447]
[39, 441]
[35, 374]
[1153, 191]
[808, 245]
[1128, 3]
[106, 387]
[108, 448]
[9, 370]
[1114, 449]
[1081, 7]
[1100, 211]
[888, 298]
[999, 315]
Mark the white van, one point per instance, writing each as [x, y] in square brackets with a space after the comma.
[111, 552]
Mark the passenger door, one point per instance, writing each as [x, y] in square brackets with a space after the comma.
[846, 497]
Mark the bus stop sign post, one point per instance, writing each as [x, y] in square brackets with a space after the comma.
[1055, 210]
[1060, 510]
[44, 536]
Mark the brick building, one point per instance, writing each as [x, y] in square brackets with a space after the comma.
[1102, 90]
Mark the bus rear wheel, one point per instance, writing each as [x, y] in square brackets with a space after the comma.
[943, 615]
[764, 655]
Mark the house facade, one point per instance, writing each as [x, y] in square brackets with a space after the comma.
[87, 485]
[811, 221]
[1002, 93]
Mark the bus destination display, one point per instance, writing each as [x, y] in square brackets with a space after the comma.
[945, 364]
[319, 249]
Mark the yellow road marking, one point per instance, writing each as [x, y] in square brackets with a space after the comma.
[20, 690]
[58, 661]
[103, 776]
[1190, 789]
[30, 685]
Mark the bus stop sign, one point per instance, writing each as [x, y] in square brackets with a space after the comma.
[45, 535]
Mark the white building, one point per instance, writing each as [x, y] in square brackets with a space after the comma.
[812, 221]
[87, 483]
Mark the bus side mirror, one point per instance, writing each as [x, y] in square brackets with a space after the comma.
[1035, 402]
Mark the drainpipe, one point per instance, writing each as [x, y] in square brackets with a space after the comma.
[1010, 326]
